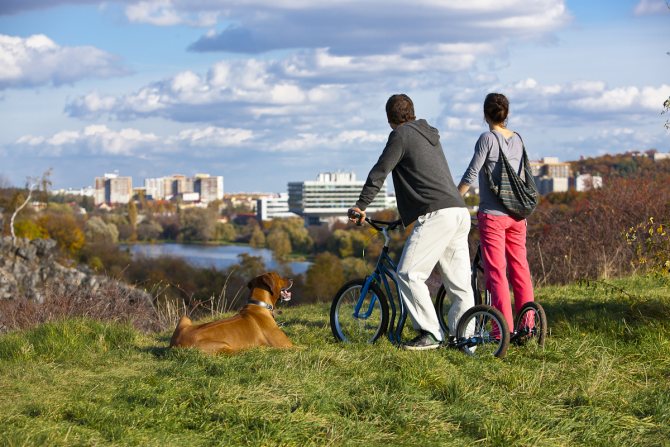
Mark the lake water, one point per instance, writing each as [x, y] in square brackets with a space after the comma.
[219, 256]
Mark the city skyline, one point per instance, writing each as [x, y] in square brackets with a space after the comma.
[266, 93]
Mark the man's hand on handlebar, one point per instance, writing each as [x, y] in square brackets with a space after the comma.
[356, 215]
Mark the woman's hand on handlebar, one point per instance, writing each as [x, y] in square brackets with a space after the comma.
[355, 214]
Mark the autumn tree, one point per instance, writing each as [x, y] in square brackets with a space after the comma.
[197, 224]
[355, 268]
[132, 220]
[257, 239]
[279, 242]
[64, 229]
[348, 243]
[97, 230]
[297, 233]
[20, 202]
[29, 229]
[31, 184]
[226, 232]
[324, 277]
[149, 230]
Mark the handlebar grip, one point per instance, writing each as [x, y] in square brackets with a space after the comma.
[355, 215]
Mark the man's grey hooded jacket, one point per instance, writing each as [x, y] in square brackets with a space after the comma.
[421, 175]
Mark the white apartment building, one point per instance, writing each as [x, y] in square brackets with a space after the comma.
[273, 206]
[201, 187]
[584, 182]
[209, 188]
[87, 191]
[112, 189]
[329, 197]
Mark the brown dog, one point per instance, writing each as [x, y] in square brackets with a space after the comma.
[253, 326]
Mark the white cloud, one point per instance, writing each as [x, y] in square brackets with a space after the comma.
[38, 60]
[212, 137]
[371, 28]
[561, 104]
[164, 13]
[647, 7]
[351, 139]
[101, 140]
[255, 88]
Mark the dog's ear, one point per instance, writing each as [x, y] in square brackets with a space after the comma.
[268, 279]
[265, 281]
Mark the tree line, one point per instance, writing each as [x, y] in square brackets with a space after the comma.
[616, 230]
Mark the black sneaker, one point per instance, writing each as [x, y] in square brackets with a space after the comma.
[423, 341]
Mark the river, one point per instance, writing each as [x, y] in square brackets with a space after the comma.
[219, 256]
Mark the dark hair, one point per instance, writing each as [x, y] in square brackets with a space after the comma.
[496, 107]
[400, 109]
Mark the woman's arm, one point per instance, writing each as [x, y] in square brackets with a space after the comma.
[482, 148]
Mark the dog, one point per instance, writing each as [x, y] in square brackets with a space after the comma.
[253, 326]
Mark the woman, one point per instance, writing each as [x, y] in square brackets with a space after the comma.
[502, 237]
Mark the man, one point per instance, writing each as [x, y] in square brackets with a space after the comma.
[426, 194]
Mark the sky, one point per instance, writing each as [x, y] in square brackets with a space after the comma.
[265, 92]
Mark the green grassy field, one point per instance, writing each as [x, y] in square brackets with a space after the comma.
[603, 379]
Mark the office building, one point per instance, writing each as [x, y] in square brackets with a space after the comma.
[329, 197]
[273, 206]
[551, 175]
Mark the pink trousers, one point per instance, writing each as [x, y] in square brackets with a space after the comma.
[503, 244]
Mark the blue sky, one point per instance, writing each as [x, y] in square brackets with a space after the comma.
[265, 92]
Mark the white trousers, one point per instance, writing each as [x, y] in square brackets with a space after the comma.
[438, 237]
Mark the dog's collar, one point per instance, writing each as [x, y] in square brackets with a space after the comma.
[262, 304]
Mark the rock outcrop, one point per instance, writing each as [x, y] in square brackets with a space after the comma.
[29, 268]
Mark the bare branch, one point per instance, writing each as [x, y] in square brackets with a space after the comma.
[31, 187]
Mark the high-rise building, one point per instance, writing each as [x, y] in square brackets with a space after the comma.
[209, 188]
[112, 189]
[329, 197]
[201, 187]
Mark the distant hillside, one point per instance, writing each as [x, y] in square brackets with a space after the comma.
[629, 164]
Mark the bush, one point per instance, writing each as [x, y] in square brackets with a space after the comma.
[29, 230]
[650, 242]
[110, 302]
[587, 238]
[64, 229]
[324, 277]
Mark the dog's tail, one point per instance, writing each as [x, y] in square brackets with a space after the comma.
[184, 322]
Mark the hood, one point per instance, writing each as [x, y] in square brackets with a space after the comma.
[426, 130]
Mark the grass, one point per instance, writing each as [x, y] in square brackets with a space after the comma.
[602, 380]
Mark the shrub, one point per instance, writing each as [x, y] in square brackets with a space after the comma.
[109, 302]
[650, 242]
[324, 277]
[587, 238]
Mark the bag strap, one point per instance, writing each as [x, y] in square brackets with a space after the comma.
[523, 164]
[523, 155]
